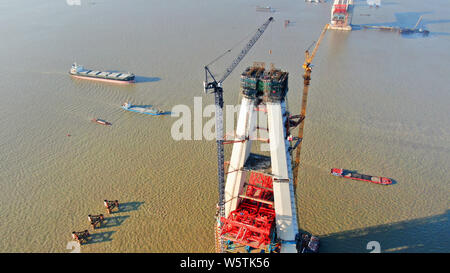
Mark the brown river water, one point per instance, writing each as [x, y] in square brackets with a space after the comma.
[378, 104]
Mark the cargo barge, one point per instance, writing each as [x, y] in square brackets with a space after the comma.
[362, 177]
[143, 110]
[78, 71]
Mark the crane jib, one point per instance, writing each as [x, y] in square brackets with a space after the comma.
[244, 51]
[218, 94]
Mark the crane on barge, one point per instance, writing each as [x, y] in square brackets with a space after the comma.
[306, 79]
[216, 88]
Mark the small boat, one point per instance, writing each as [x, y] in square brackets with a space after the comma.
[313, 245]
[307, 244]
[101, 121]
[363, 177]
[143, 110]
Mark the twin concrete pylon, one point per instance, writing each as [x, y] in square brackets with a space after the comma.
[265, 89]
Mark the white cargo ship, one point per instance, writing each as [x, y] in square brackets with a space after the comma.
[78, 71]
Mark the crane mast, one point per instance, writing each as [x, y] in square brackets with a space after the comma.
[306, 78]
[218, 99]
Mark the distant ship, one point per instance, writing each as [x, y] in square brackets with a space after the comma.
[265, 9]
[101, 121]
[79, 71]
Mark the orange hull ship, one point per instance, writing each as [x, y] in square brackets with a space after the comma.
[362, 177]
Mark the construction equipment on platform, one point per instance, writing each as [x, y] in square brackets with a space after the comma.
[306, 80]
[216, 86]
[96, 220]
[110, 205]
[81, 236]
[415, 29]
[402, 30]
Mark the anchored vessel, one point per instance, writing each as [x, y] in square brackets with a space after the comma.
[143, 110]
[101, 121]
[363, 177]
[78, 71]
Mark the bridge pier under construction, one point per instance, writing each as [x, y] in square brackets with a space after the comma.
[341, 15]
[260, 206]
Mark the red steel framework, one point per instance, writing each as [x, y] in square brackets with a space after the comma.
[340, 9]
[252, 222]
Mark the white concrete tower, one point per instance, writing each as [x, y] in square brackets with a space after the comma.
[283, 190]
[241, 150]
[269, 88]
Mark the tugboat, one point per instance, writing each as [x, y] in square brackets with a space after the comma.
[101, 121]
[78, 71]
[143, 110]
[306, 243]
[313, 245]
[363, 177]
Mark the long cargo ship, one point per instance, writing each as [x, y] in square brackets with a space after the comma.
[362, 177]
[78, 71]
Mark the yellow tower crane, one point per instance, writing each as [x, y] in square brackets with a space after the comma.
[306, 78]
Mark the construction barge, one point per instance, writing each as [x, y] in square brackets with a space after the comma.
[401, 30]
